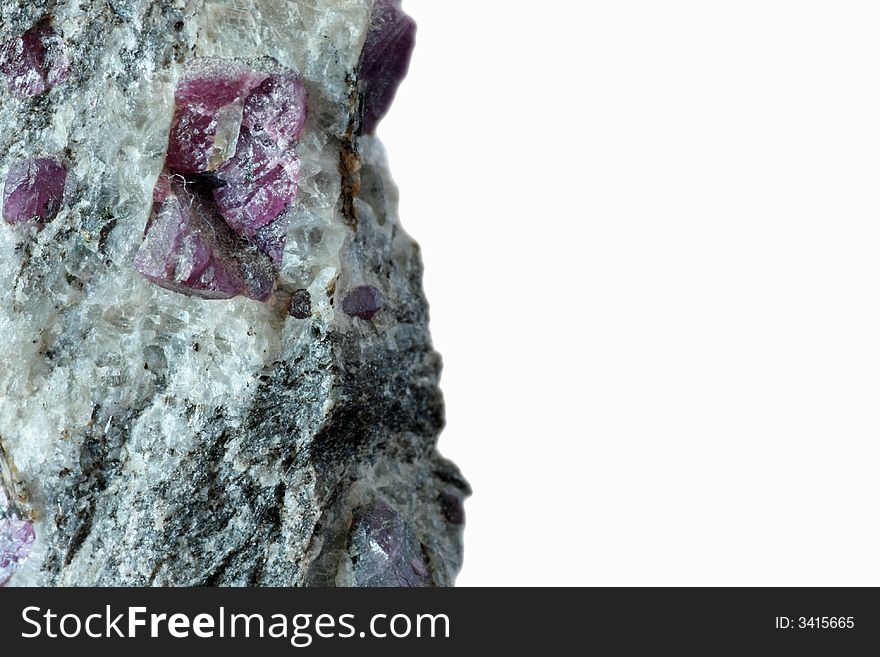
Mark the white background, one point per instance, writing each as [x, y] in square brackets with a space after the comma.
[652, 244]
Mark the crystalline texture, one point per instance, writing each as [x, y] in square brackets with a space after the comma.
[384, 550]
[300, 304]
[185, 399]
[16, 539]
[35, 61]
[232, 169]
[187, 250]
[33, 190]
[206, 124]
[260, 183]
[385, 59]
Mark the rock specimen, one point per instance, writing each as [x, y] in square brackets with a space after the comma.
[217, 368]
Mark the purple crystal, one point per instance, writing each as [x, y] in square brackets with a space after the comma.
[452, 507]
[16, 539]
[385, 59]
[364, 302]
[260, 184]
[33, 190]
[232, 159]
[206, 121]
[277, 109]
[35, 61]
[301, 304]
[188, 249]
[270, 239]
[384, 549]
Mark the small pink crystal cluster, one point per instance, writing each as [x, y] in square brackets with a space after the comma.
[16, 539]
[34, 62]
[33, 191]
[219, 220]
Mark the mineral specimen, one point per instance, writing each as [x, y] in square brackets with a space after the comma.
[217, 363]
[33, 190]
[188, 250]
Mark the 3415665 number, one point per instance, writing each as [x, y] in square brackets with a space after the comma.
[826, 622]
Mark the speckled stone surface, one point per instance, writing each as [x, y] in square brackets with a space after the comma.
[263, 431]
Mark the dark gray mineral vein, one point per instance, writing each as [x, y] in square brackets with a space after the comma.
[216, 363]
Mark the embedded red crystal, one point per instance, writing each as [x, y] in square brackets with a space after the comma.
[16, 538]
[301, 304]
[277, 109]
[384, 549]
[271, 238]
[232, 157]
[35, 61]
[187, 249]
[261, 181]
[33, 190]
[206, 122]
[364, 302]
[385, 59]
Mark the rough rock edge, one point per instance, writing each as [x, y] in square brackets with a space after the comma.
[265, 497]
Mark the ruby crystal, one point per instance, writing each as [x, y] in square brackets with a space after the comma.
[301, 304]
[384, 549]
[187, 250]
[220, 222]
[33, 190]
[35, 61]
[364, 302]
[16, 539]
[385, 59]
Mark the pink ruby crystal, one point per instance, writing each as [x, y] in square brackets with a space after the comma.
[277, 109]
[364, 302]
[185, 249]
[16, 538]
[270, 239]
[300, 304]
[35, 61]
[385, 59]
[219, 225]
[206, 124]
[384, 549]
[33, 190]
[260, 184]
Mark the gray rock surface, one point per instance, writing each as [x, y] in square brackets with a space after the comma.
[155, 438]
